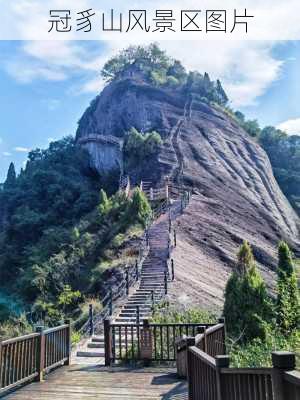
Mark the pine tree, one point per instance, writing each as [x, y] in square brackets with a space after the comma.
[11, 177]
[140, 207]
[222, 96]
[207, 82]
[105, 203]
[288, 301]
[285, 262]
[247, 304]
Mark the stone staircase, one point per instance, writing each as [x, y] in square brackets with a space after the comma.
[151, 286]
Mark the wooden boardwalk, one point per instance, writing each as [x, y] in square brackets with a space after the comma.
[101, 383]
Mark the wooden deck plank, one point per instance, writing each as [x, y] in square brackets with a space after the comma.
[100, 383]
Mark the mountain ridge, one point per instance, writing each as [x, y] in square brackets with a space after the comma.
[236, 196]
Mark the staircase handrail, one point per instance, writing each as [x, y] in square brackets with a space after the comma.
[121, 290]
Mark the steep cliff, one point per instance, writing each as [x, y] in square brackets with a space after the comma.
[235, 195]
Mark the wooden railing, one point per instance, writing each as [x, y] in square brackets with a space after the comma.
[211, 378]
[210, 340]
[29, 357]
[151, 342]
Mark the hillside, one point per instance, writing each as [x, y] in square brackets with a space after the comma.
[235, 195]
[60, 241]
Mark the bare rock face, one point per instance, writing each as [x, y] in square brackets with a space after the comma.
[235, 195]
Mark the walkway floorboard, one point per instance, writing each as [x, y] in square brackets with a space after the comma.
[100, 383]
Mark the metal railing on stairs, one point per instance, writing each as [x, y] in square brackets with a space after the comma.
[114, 297]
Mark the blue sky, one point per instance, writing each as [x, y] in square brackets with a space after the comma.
[46, 86]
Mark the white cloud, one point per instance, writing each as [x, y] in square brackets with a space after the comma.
[31, 70]
[92, 86]
[246, 68]
[291, 126]
[21, 149]
[6, 154]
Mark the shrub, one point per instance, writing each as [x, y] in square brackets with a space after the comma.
[287, 303]
[257, 353]
[140, 208]
[247, 305]
[139, 147]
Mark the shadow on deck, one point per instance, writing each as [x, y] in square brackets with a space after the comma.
[101, 383]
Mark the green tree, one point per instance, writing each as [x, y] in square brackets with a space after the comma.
[140, 208]
[105, 203]
[247, 305]
[221, 95]
[240, 116]
[270, 136]
[252, 127]
[146, 59]
[285, 261]
[287, 303]
[11, 177]
[139, 147]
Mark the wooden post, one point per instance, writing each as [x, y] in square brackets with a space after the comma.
[136, 270]
[166, 283]
[146, 343]
[222, 321]
[221, 362]
[152, 300]
[107, 341]
[282, 361]
[68, 342]
[182, 348]
[127, 282]
[1, 369]
[137, 315]
[110, 303]
[175, 238]
[172, 269]
[91, 320]
[41, 354]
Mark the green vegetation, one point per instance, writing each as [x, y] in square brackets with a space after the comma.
[152, 64]
[205, 90]
[165, 314]
[138, 147]
[246, 305]
[60, 234]
[283, 152]
[288, 301]
[256, 323]
[257, 353]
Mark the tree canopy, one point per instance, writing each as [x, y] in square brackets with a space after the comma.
[284, 153]
[246, 305]
[158, 69]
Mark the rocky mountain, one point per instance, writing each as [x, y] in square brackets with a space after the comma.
[235, 195]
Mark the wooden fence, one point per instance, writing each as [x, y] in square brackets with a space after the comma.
[29, 357]
[151, 342]
[211, 378]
